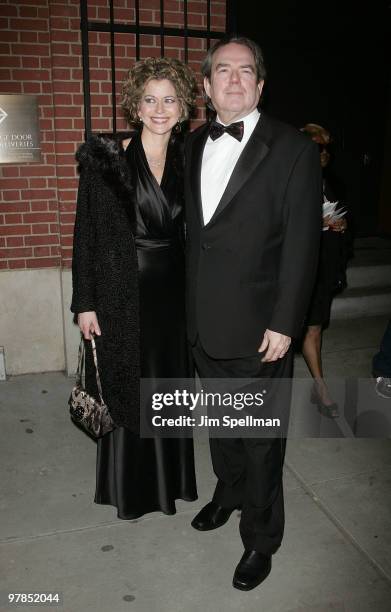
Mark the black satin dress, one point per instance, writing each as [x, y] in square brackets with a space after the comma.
[141, 475]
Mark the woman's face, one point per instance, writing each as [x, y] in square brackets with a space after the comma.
[324, 156]
[322, 142]
[159, 107]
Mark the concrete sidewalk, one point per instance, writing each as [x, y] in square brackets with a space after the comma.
[336, 553]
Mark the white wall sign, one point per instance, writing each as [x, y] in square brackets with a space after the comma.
[19, 129]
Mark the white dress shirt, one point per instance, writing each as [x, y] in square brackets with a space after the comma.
[218, 162]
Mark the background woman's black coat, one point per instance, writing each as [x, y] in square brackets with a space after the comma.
[104, 272]
[331, 273]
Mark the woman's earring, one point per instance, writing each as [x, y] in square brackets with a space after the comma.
[178, 128]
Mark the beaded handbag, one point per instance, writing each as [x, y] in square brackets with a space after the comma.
[91, 414]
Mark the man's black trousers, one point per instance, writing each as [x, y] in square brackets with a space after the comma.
[249, 470]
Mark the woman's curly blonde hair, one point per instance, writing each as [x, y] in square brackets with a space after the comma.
[180, 75]
[318, 132]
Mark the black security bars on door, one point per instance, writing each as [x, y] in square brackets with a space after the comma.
[138, 29]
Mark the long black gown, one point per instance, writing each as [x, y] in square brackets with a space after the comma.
[140, 475]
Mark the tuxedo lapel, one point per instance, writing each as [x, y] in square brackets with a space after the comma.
[197, 150]
[252, 155]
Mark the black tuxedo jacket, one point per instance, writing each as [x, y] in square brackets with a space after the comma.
[253, 265]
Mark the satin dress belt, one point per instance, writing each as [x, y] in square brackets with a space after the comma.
[155, 243]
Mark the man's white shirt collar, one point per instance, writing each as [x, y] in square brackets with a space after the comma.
[218, 162]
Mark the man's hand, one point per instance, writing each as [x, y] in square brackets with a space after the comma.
[276, 345]
[88, 323]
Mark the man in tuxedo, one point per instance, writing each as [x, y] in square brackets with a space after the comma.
[253, 213]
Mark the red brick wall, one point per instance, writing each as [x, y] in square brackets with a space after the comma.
[40, 53]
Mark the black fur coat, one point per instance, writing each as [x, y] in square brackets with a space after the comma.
[105, 276]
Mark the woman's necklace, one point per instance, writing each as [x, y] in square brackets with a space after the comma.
[156, 162]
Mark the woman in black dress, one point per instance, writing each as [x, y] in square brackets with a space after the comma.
[331, 258]
[135, 474]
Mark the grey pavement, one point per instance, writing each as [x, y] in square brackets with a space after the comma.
[336, 553]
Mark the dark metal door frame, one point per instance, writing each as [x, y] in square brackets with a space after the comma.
[161, 30]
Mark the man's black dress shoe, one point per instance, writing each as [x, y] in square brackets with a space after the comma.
[211, 516]
[252, 569]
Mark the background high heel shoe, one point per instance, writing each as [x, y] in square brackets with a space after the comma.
[330, 411]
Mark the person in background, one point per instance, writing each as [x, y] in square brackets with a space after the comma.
[381, 365]
[331, 260]
[129, 283]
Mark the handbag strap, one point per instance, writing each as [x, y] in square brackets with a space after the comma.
[96, 369]
[81, 365]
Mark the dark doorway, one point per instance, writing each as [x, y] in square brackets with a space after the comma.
[328, 63]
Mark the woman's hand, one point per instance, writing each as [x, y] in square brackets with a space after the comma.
[339, 225]
[326, 221]
[88, 324]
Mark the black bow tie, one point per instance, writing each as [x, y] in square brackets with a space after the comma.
[234, 129]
